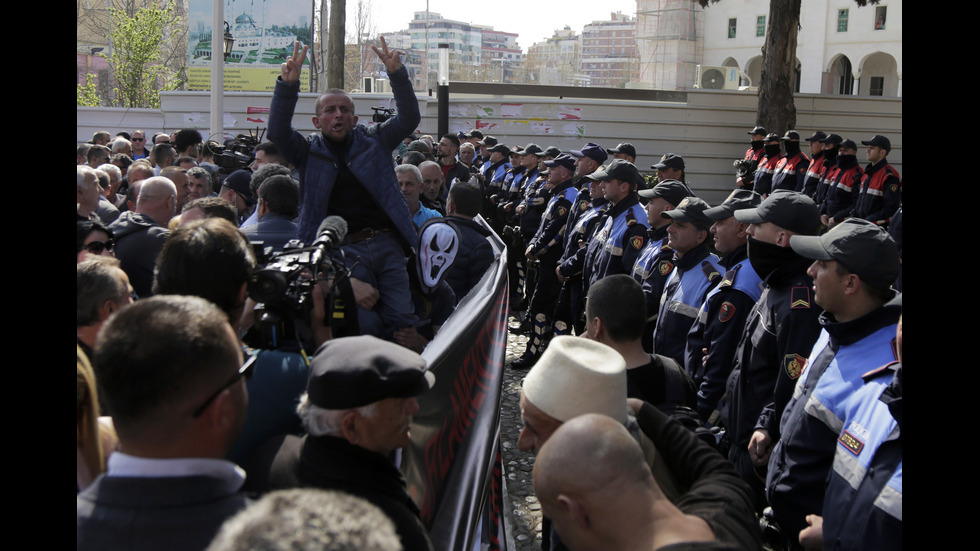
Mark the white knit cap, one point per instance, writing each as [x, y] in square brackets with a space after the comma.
[575, 376]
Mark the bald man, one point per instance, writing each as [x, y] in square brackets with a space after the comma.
[140, 234]
[593, 482]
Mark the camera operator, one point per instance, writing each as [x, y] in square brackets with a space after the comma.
[212, 259]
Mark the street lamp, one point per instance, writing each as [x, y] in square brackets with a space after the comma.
[229, 40]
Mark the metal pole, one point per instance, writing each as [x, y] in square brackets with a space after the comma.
[442, 94]
[217, 70]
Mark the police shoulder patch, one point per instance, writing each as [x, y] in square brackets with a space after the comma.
[726, 312]
[665, 267]
[794, 364]
[710, 271]
[799, 298]
[637, 242]
[562, 211]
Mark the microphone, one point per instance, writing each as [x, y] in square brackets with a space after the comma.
[330, 234]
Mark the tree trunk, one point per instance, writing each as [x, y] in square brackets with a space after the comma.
[777, 112]
[335, 44]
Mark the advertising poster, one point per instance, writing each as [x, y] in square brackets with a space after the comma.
[264, 32]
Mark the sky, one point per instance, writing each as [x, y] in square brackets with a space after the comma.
[532, 22]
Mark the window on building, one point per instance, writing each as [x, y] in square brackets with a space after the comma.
[877, 86]
[880, 13]
[760, 25]
[731, 28]
[842, 20]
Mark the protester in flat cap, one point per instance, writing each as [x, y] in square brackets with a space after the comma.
[714, 336]
[854, 266]
[778, 335]
[357, 410]
[880, 193]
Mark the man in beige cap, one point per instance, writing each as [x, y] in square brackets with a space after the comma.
[576, 376]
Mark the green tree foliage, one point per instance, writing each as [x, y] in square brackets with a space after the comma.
[87, 95]
[139, 44]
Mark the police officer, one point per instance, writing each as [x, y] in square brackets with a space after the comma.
[545, 247]
[791, 169]
[624, 226]
[754, 155]
[767, 167]
[696, 270]
[712, 340]
[656, 260]
[779, 332]
[881, 188]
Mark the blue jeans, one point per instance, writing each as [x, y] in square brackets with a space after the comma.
[380, 262]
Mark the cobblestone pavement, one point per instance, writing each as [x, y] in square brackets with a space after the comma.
[522, 510]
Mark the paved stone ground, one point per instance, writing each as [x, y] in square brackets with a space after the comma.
[521, 508]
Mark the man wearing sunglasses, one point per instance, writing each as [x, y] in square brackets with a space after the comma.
[139, 145]
[171, 371]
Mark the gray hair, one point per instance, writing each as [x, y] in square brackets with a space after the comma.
[412, 169]
[111, 170]
[119, 144]
[81, 171]
[308, 518]
[326, 422]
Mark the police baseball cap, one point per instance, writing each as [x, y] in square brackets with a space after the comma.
[757, 130]
[691, 210]
[350, 372]
[489, 140]
[673, 191]
[832, 139]
[476, 134]
[620, 169]
[562, 159]
[790, 210]
[531, 148]
[551, 151]
[771, 137]
[517, 150]
[791, 135]
[880, 141]
[860, 246]
[738, 199]
[670, 160]
[848, 144]
[591, 150]
[817, 136]
[624, 147]
[500, 148]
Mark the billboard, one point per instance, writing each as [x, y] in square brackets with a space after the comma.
[264, 32]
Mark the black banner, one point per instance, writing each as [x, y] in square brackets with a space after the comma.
[454, 466]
